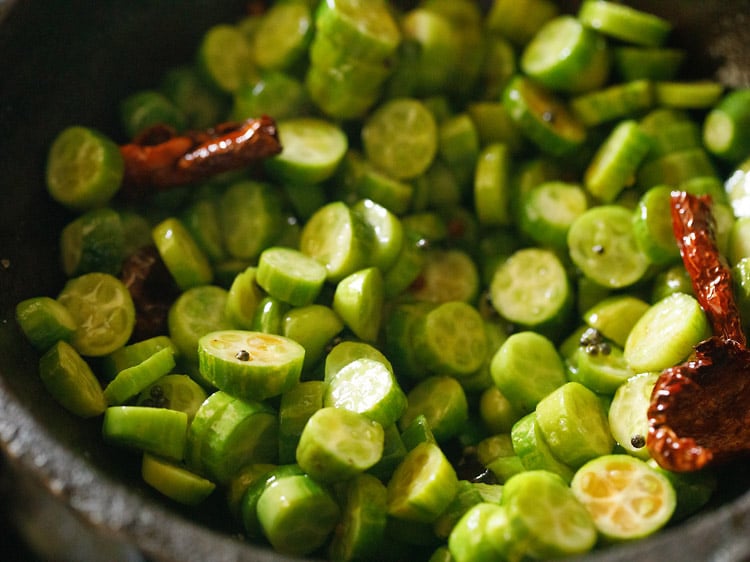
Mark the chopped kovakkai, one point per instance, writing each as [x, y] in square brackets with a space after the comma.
[432, 311]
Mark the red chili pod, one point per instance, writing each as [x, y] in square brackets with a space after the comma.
[693, 226]
[158, 158]
[700, 410]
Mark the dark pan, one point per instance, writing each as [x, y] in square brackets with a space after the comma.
[64, 63]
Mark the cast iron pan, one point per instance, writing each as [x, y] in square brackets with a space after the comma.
[64, 63]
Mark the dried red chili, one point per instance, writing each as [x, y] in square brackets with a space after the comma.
[700, 410]
[153, 290]
[694, 229]
[159, 158]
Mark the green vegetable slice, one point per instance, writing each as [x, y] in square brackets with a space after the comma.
[133, 380]
[269, 316]
[458, 146]
[405, 270]
[533, 451]
[262, 476]
[566, 56]
[312, 150]
[103, 311]
[201, 219]
[154, 430]
[492, 185]
[241, 483]
[244, 432]
[200, 426]
[243, 299]
[366, 31]
[652, 226]
[387, 233]
[362, 75]
[290, 276]
[666, 333]
[492, 121]
[635, 504]
[347, 351]
[701, 94]
[574, 423]
[676, 167]
[335, 238]
[546, 519]
[616, 161]
[363, 518]
[146, 108]
[401, 138]
[295, 408]
[225, 58]
[669, 130]
[466, 497]
[498, 454]
[548, 210]
[628, 414]
[725, 129]
[603, 246]
[368, 387]
[358, 300]
[133, 354]
[84, 168]
[70, 381]
[417, 431]
[183, 257]
[394, 452]
[314, 327]
[296, 514]
[176, 392]
[520, 20]
[394, 194]
[95, 241]
[619, 101]
[422, 486]
[450, 339]
[333, 89]
[542, 117]
[439, 186]
[44, 321]
[195, 313]
[625, 23]
[526, 368]
[481, 535]
[648, 63]
[337, 444]
[497, 412]
[438, 49]
[275, 92]
[174, 481]
[250, 365]
[601, 368]
[250, 218]
[288, 27]
[531, 288]
[447, 275]
[202, 106]
[442, 400]
[674, 280]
